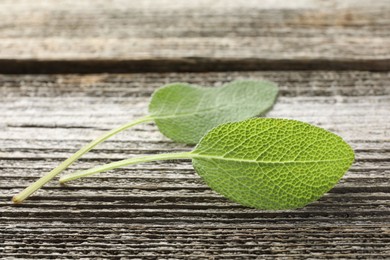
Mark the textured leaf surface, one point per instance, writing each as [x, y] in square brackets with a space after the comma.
[184, 113]
[271, 163]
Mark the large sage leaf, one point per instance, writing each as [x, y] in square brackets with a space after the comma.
[263, 163]
[271, 163]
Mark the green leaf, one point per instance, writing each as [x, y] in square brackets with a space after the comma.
[263, 163]
[184, 113]
[271, 163]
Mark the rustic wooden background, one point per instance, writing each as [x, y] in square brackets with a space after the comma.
[70, 70]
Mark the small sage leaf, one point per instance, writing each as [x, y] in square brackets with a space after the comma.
[184, 112]
[271, 163]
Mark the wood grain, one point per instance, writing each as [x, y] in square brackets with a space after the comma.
[62, 36]
[163, 209]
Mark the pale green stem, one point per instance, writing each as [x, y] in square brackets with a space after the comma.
[43, 180]
[114, 165]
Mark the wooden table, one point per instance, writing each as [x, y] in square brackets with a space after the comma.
[70, 70]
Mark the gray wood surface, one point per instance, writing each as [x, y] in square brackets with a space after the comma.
[331, 60]
[159, 35]
[163, 209]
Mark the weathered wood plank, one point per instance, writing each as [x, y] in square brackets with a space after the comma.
[202, 241]
[291, 84]
[117, 36]
[163, 209]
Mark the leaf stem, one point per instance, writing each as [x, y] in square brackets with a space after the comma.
[114, 165]
[43, 180]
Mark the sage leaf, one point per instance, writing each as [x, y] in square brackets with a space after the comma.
[262, 163]
[271, 163]
[184, 112]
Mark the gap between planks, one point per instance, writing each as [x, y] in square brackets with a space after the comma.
[185, 64]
